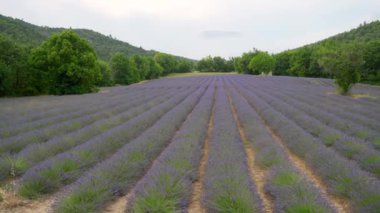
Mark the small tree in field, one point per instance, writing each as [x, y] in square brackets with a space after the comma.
[66, 64]
[345, 64]
[262, 62]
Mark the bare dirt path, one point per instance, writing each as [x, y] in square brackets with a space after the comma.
[257, 174]
[13, 203]
[339, 204]
[196, 204]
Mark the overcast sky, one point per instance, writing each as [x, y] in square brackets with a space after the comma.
[197, 28]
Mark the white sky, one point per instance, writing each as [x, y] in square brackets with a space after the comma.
[197, 28]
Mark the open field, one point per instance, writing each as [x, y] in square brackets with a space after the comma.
[225, 143]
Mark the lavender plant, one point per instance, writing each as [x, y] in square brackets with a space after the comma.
[64, 168]
[116, 175]
[227, 185]
[342, 177]
[35, 153]
[167, 185]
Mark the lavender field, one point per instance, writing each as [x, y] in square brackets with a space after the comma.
[232, 143]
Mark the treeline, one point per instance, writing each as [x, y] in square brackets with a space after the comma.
[67, 64]
[346, 63]
[215, 64]
[360, 47]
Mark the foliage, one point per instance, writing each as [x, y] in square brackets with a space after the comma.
[66, 64]
[345, 64]
[124, 69]
[106, 75]
[15, 76]
[262, 62]
[241, 63]
[282, 64]
[371, 56]
[32, 35]
[215, 64]
[173, 64]
[308, 60]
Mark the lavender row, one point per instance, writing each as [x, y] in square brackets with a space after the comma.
[322, 114]
[351, 148]
[17, 164]
[227, 184]
[319, 95]
[113, 177]
[170, 179]
[282, 179]
[348, 126]
[66, 167]
[345, 107]
[60, 106]
[85, 110]
[352, 118]
[17, 143]
[341, 176]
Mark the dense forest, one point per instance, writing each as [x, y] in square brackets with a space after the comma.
[41, 60]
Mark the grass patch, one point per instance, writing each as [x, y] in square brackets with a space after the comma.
[268, 160]
[331, 139]
[285, 178]
[232, 204]
[84, 201]
[305, 208]
[376, 143]
[155, 203]
[352, 149]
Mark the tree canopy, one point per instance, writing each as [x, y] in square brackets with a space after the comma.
[262, 62]
[66, 64]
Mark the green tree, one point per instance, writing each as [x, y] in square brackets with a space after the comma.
[345, 63]
[206, 64]
[371, 56]
[155, 70]
[66, 64]
[184, 66]
[262, 62]
[282, 64]
[124, 69]
[167, 62]
[15, 76]
[142, 64]
[242, 63]
[106, 75]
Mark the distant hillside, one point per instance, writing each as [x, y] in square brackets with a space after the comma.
[307, 61]
[364, 33]
[32, 35]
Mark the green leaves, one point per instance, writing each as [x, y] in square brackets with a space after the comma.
[262, 62]
[67, 64]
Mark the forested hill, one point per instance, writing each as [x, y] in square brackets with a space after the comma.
[308, 60]
[32, 35]
[364, 33]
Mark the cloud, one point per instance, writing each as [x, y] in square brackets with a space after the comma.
[220, 34]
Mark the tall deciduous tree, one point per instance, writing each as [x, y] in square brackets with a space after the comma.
[124, 69]
[66, 64]
[262, 62]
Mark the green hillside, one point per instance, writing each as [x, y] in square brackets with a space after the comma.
[32, 35]
[309, 60]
